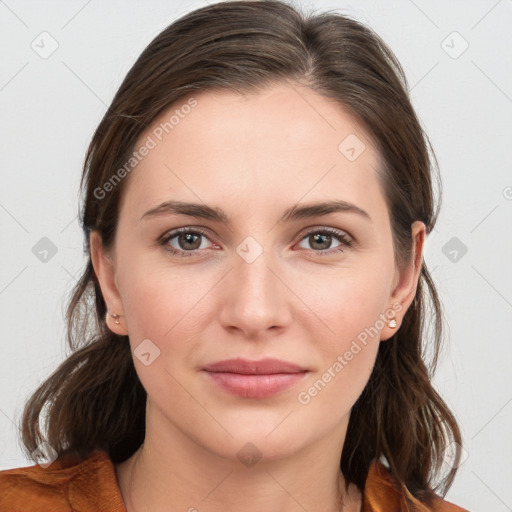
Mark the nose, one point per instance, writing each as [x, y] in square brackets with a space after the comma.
[255, 300]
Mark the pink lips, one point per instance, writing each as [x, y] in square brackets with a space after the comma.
[255, 379]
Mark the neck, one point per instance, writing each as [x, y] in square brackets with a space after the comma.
[172, 472]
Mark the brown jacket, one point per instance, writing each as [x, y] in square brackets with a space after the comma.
[91, 485]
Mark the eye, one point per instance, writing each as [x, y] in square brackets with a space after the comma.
[321, 240]
[183, 241]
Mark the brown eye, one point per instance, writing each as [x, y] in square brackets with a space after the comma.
[188, 241]
[321, 240]
[184, 241]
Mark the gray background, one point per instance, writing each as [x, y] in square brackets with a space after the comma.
[50, 105]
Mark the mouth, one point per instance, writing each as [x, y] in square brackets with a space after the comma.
[255, 379]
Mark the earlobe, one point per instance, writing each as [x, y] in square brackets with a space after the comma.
[104, 269]
[408, 278]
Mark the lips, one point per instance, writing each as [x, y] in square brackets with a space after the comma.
[265, 366]
[255, 379]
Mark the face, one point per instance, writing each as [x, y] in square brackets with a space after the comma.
[252, 272]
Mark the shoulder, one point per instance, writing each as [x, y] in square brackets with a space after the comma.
[71, 485]
[381, 491]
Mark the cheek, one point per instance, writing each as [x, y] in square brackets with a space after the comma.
[155, 292]
[168, 305]
[351, 303]
[352, 316]
[347, 363]
[161, 305]
[156, 303]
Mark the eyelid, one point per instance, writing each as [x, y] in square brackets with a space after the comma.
[332, 231]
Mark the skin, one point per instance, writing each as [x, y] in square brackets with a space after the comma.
[254, 156]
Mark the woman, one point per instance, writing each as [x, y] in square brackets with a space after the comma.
[248, 332]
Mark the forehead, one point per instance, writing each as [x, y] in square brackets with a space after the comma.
[274, 146]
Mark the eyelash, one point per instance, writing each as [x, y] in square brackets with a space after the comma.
[344, 239]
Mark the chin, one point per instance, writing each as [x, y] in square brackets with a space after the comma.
[261, 443]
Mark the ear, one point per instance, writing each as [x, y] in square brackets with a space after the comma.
[406, 280]
[104, 269]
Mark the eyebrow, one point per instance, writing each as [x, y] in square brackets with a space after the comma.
[202, 211]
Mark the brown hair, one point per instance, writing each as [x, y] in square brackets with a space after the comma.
[94, 400]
